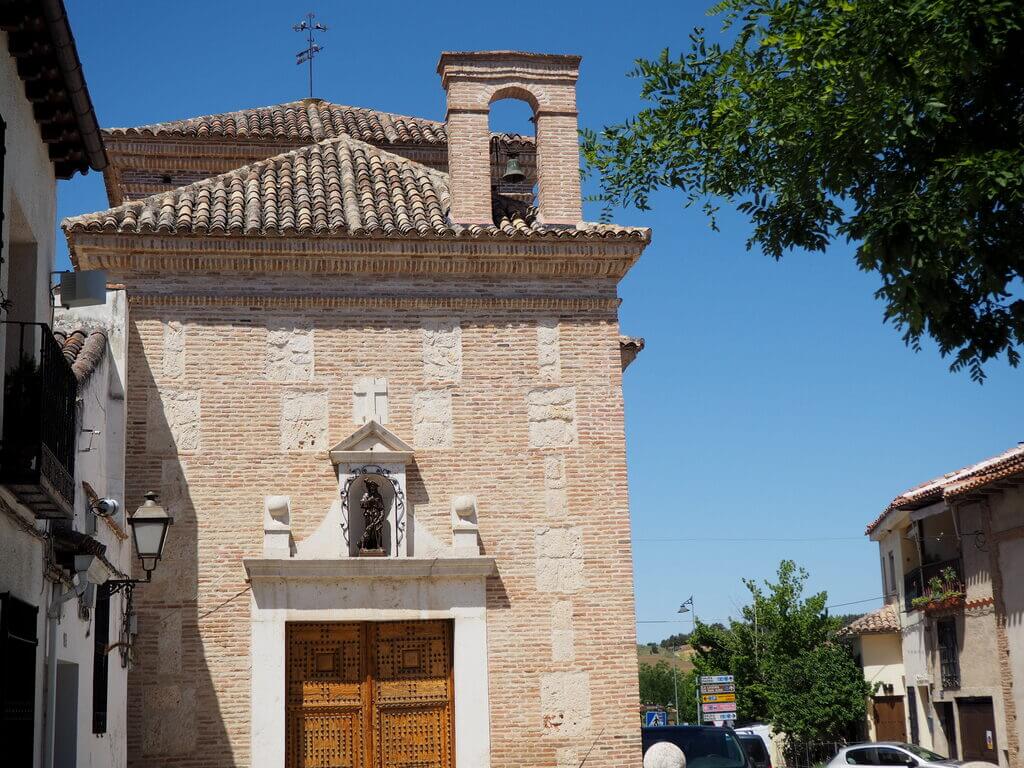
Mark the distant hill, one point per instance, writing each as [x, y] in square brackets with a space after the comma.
[681, 658]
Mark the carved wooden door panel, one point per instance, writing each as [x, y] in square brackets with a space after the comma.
[326, 696]
[412, 694]
[369, 695]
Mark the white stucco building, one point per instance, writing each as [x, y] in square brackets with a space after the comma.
[62, 686]
[952, 560]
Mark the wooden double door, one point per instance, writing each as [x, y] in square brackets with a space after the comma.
[890, 718]
[369, 695]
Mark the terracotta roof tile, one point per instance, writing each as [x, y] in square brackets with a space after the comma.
[337, 187]
[308, 121]
[82, 350]
[958, 483]
[884, 620]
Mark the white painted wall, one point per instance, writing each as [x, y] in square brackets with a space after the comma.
[882, 661]
[99, 461]
[30, 204]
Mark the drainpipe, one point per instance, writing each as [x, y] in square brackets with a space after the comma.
[53, 619]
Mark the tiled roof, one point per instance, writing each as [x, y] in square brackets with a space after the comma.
[958, 483]
[82, 350]
[882, 621]
[307, 121]
[337, 187]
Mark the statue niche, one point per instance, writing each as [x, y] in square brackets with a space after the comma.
[375, 513]
[372, 508]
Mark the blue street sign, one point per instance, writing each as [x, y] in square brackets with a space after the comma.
[655, 717]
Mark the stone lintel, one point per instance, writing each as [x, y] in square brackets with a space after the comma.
[369, 568]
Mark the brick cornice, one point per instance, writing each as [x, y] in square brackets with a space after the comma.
[563, 257]
[277, 301]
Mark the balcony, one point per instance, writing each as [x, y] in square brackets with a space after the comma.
[37, 451]
[916, 582]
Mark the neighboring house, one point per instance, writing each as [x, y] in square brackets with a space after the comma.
[952, 558]
[877, 646]
[381, 394]
[62, 695]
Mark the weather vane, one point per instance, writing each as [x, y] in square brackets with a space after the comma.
[309, 25]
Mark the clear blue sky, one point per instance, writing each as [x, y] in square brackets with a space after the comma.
[770, 402]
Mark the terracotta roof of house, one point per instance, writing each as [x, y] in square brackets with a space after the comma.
[882, 621]
[40, 41]
[83, 351]
[337, 187]
[308, 120]
[958, 483]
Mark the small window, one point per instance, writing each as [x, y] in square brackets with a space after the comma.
[166, 179]
[949, 658]
[892, 575]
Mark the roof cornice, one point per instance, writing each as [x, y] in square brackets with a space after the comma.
[548, 256]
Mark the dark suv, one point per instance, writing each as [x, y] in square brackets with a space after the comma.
[704, 746]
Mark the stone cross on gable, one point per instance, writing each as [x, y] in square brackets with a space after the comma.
[370, 400]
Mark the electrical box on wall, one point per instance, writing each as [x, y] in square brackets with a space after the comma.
[86, 288]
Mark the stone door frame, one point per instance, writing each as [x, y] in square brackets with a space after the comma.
[369, 590]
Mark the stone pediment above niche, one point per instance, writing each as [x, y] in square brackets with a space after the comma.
[372, 444]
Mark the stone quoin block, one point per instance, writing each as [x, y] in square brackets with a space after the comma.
[559, 566]
[442, 351]
[565, 703]
[563, 638]
[432, 419]
[174, 349]
[170, 715]
[549, 362]
[556, 495]
[289, 354]
[173, 421]
[552, 415]
[304, 421]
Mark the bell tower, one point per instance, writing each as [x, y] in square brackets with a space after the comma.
[547, 82]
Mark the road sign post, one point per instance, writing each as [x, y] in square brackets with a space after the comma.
[716, 699]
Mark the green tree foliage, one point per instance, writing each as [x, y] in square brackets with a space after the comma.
[657, 689]
[790, 668]
[676, 641]
[896, 124]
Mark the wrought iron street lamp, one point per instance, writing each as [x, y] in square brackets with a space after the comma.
[149, 527]
[149, 531]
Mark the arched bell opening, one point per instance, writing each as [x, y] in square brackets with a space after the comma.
[513, 150]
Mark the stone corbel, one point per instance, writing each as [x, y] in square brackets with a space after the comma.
[465, 528]
[277, 527]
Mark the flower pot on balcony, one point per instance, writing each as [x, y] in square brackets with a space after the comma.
[947, 603]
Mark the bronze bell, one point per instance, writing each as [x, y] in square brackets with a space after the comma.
[513, 170]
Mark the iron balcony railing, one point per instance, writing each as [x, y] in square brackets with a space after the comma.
[915, 583]
[37, 453]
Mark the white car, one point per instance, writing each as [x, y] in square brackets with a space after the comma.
[890, 753]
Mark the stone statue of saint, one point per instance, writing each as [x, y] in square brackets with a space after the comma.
[374, 514]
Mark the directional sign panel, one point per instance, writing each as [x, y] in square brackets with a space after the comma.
[710, 717]
[713, 697]
[718, 688]
[717, 679]
[727, 706]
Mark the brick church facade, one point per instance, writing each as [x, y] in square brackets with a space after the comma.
[335, 313]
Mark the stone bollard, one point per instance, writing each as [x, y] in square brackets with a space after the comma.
[664, 755]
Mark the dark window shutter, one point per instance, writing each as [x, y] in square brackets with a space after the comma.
[101, 633]
[18, 641]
